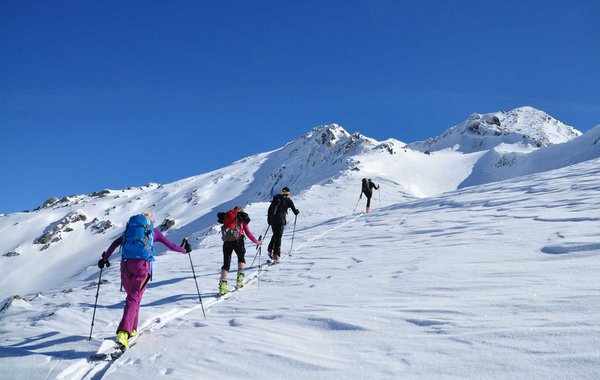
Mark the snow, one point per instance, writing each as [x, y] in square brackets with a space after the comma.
[494, 280]
[482, 132]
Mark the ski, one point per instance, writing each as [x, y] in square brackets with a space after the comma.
[235, 289]
[110, 350]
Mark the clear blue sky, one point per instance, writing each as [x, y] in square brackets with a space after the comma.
[108, 94]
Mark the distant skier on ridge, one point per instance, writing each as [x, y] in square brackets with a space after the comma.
[276, 219]
[137, 255]
[367, 186]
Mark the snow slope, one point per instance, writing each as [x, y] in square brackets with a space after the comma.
[523, 126]
[482, 282]
[62, 236]
[491, 281]
[500, 164]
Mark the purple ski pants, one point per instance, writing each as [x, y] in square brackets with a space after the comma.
[134, 275]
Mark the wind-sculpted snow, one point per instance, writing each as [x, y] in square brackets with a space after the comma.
[493, 279]
[486, 281]
[321, 157]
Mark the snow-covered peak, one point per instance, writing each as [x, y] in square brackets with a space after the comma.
[327, 134]
[523, 125]
[322, 153]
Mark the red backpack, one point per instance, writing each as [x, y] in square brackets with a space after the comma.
[232, 220]
[231, 229]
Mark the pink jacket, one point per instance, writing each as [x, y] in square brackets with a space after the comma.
[248, 233]
[158, 237]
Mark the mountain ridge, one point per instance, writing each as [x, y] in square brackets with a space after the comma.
[327, 155]
[523, 125]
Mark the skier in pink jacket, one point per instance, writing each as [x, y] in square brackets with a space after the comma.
[137, 255]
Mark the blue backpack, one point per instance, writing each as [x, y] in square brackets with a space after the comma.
[138, 239]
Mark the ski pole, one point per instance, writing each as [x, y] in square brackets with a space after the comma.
[257, 251]
[266, 231]
[194, 273]
[359, 198]
[95, 303]
[293, 233]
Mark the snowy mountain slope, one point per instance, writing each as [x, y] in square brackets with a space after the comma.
[498, 164]
[65, 236]
[61, 236]
[523, 126]
[483, 282]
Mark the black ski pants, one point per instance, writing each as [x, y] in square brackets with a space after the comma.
[368, 194]
[275, 243]
[240, 250]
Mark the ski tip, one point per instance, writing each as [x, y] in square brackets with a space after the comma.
[99, 357]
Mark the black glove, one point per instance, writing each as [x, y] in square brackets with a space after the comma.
[187, 246]
[102, 262]
[297, 212]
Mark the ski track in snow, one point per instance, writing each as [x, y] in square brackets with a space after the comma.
[94, 369]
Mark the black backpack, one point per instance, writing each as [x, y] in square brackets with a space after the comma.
[276, 205]
[365, 186]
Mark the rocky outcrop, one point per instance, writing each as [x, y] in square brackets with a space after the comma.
[166, 224]
[98, 226]
[54, 232]
[100, 194]
[50, 201]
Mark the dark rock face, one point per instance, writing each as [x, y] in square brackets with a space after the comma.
[100, 194]
[166, 224]
[50, 201]
[53, 233]
[99, 226]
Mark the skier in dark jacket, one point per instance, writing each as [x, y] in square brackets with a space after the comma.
[276, 219]
[367, 186]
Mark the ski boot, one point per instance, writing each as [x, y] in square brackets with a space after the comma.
[239, 282]
[368, 210]
[121, 339]
[223, 287]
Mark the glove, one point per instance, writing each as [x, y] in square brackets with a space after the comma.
[187, 246]
[102, 262]
[297, 212]
[269, 221]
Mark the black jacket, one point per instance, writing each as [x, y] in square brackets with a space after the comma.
[367, 186]
[278, 209]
